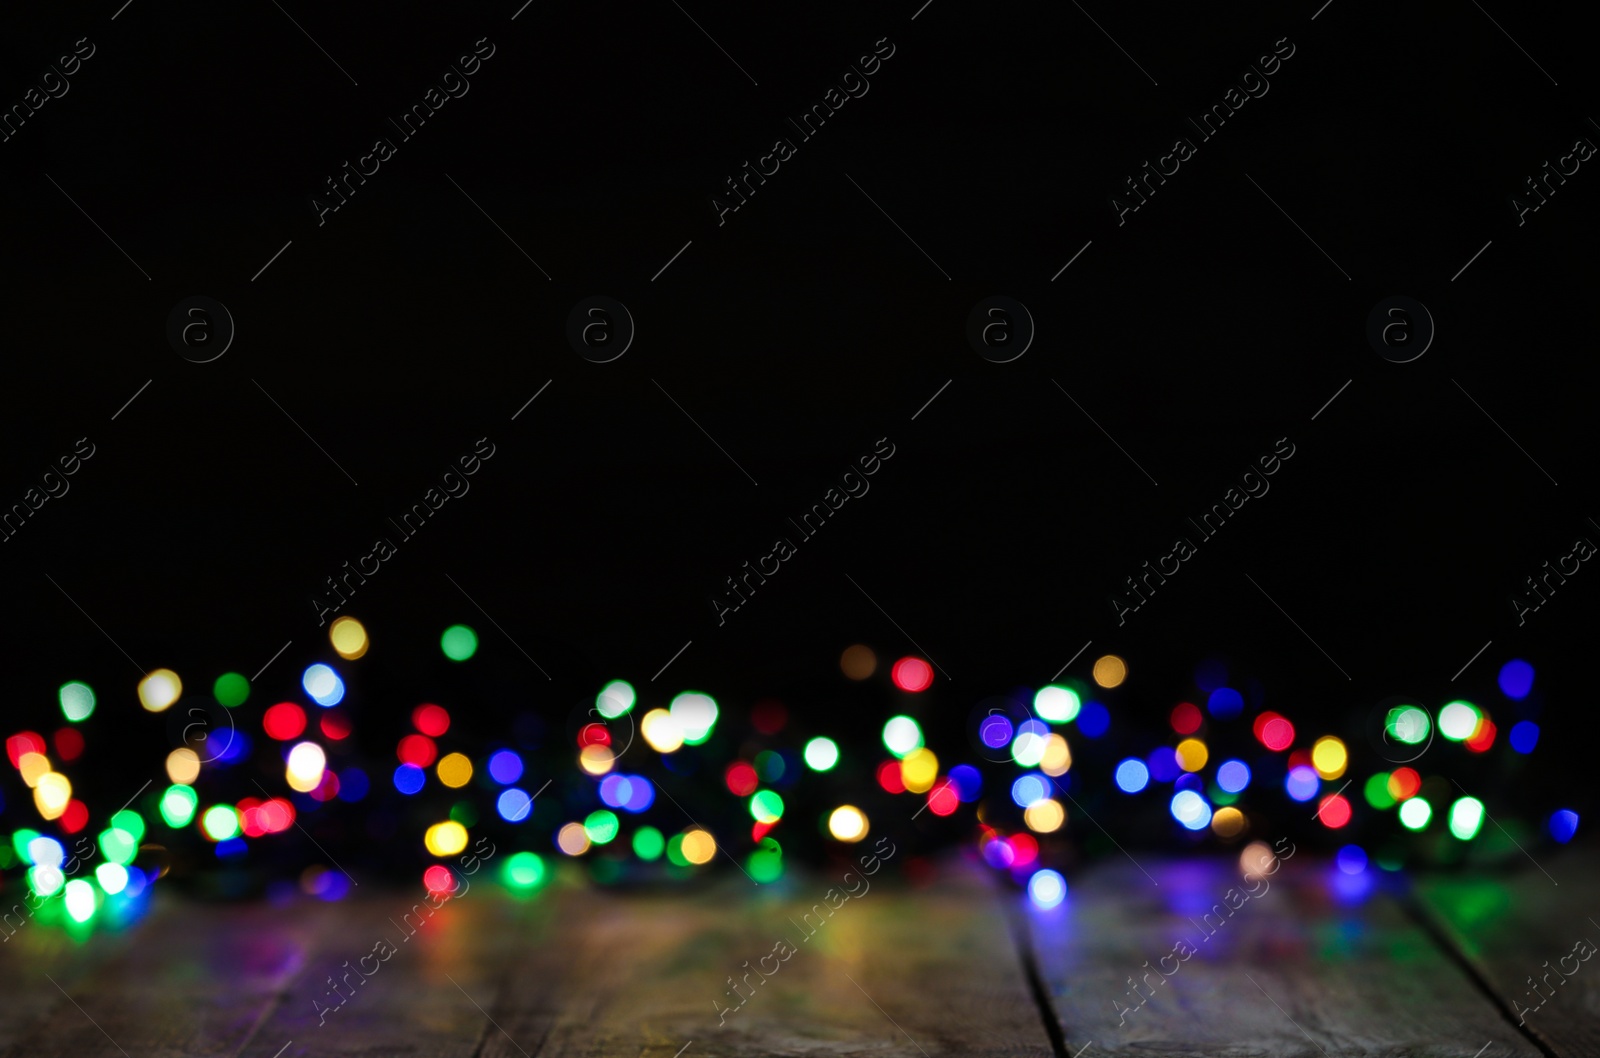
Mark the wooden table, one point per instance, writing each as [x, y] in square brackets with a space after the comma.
[961, 966]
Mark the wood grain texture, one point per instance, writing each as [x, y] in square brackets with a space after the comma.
[1522, 926]
[887, 973]
[1290, 971]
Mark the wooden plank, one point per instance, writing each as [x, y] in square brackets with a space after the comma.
[1541, 923]
[191, 980]
[887, 972]
[1287, 971]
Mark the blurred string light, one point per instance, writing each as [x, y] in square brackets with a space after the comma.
[1458, 721]
[1408, 724]
[1225, 703]
[1301, 782]
[1228, 823]
[1351, 859]
[1190, 809]
[459, 642]
[1516, 679]
[601, 826]
[445, 839]
[1046, 889]
[615, 699]
[1563, 824]
[305, 766]
[1045, 816]
[77, 701]
[1329, 757]
[348, 638]
[1132, 775]
[648, 844]
[454, 770]
[1403, 783]
[1233, 775]
[1192, 754]
[1057, 758]
[431, 720]
[1110, 671]
[697, 846]
[1333, 811]
[230, 690]
[178, 804]
[1057, 704]
[183, 765]
[1027, 790]
[902, 735]
[523, 870]
[695, 714]
[821, 754]
[1466, 818]
[661, 732]
[1028, 747]
[1524, 736]
[1273, 731]
[323, 685]
[1094, 719]
[847, 823]
[858, 662]
[918, 771]
[912, 674]
[1415, 813]
[505, 767]
[1185, 718]
[159, 689]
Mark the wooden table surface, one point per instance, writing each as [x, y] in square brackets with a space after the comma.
[1129, 964]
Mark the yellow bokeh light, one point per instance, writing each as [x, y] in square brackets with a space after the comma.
[572, 839]
[52, 794]
[1329, 757]
[1057, 756]
[918, 770]
[159, 690]
[858, 662]
[1045, 816]
[303, 772]
[445, 839]
[661, 731]
[698, 846]
[1110, 671]
[596, 760]
[1228, 822]
[32, 765]
[183, 765]
[1192, 754]
[349, 638]
[455, 770]
[847, 823]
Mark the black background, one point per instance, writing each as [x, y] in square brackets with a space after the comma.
[797, 334]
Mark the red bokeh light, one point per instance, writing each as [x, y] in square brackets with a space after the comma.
[1300, 758]
[1404, 783]
[768, 717]
[912, 674]
[432, 720]
[250, 823]
[76, 817]
[1334, 811]
[594, 735]
[1273, 731]
[69, 743]
[283, 721]
[335, 724]
[942, 799]
[418, 750]
[1024, 850]
[276, 815]
[741, 779]
[889, 777]
[1480, 742]
[1186, 718]
[438, 879]
[23, 742]
[761, 830]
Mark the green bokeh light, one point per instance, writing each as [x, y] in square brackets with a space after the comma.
[459, 642]
[231, 689]
[648, 844]
[524, 870]
[766, 806]
[1377, 791]
[1466, 818]
[220, 822]
[178, 804]
[77, 700]
[601, 826]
